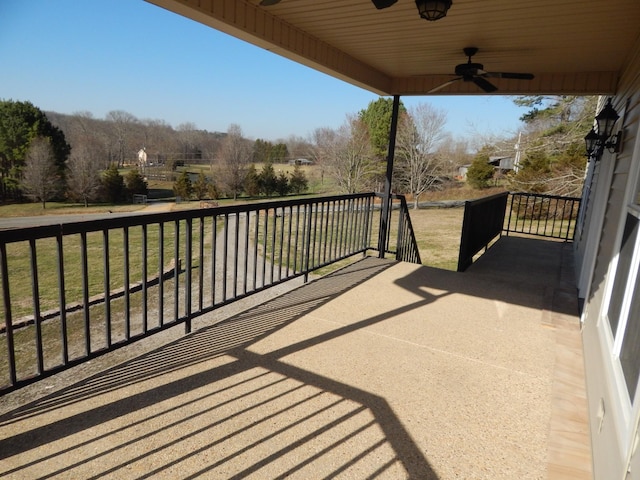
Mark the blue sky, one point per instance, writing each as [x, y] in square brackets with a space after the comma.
[101, 55]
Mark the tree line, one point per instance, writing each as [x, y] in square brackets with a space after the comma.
[83, 155]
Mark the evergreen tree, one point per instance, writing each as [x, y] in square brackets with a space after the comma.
[298, 182]
[252, 182]
[20, 123]
[183, 187]
[480, 171]
[377, 118]
[282, 184]
[267, 180]
[135, 183]
[113, 184]
[201, 186]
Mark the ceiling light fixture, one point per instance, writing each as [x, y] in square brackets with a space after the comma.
[433, 10]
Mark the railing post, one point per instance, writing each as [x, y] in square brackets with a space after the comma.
[6, 297]
[386, 199]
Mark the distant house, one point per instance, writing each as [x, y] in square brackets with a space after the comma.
[300, 161]
[502, 163]
[142, 157]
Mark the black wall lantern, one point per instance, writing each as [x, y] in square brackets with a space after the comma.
[433, 10]
[600, 136]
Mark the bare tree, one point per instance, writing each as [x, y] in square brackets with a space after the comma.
[159, 140]
[122, 124]
[189, 138]
[84, 166]
[454, 154]
[347, 155]
[418, 166]
[234, 158]
[40, 176]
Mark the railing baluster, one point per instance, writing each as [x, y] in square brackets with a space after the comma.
[281, 248]
[107, 286]
[236, 251]
[161, 274]
[256, 234]
[295, 243]
[62, 300]
[225, 255]
[188, 284]
[214, 258]
[176, 271]
[201, 266]
[35, 291]
[265, 237]
[86, 313]
[273, 244]
[290, 223]
[145, 273]
[8, 321]
[245, 278]
[127, 282]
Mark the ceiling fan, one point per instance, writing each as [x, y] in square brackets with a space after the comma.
[474, 72]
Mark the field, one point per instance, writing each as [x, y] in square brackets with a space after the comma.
[438, 232]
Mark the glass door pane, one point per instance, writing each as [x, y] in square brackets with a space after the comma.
[622, 271]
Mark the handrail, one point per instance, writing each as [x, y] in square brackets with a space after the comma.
[95, 286]
[482, 222]
[550, 216]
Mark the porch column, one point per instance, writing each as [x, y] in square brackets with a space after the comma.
[385, 213]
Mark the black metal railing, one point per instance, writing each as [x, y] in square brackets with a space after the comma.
[485, 219]
[406, 247]
[548, 216]
[482, 222]
[74, 291]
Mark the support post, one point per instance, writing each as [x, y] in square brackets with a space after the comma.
[385, 213]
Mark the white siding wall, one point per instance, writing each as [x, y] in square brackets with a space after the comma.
[612, 420]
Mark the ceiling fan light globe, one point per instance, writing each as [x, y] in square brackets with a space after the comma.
[433, 10]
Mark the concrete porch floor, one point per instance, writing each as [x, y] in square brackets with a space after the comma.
[380, 370]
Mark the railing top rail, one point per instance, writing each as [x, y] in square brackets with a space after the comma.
[544, 195]
[137, 219]
[489, 198]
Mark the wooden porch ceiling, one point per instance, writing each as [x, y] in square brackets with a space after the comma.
[574, 47]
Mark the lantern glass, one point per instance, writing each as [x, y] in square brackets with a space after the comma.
[606, 119]
[433, 9]
[591, 140]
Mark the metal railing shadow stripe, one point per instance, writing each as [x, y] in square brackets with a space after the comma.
[245, 362]
[236, 332]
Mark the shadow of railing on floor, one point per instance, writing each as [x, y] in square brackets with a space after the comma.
[233, 382]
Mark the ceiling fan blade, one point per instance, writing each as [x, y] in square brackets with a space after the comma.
[515, 76]
[445, 84]
[484, 84]
[380, 4]
[268, 3]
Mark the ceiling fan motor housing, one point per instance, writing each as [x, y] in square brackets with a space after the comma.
[469, 69]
